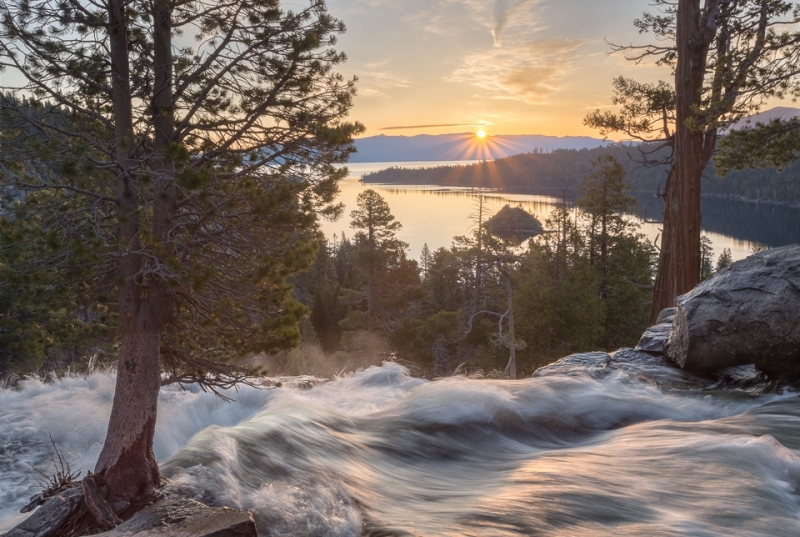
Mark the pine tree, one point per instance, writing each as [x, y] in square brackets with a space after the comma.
[621, 259]
[191, 174]
[727, 59]
[707, 257]
[725, 259]
[390, 279]
[425, 261]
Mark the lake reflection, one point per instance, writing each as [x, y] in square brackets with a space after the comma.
[434, 215]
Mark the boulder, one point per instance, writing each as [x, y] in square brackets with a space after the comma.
[183, 518]
[592, 363]
[628, 365]
[655, 338]
[46, 520]
[667, 315]
[749, 313]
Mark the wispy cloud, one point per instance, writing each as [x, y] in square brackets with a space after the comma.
[503, 10]
[435, 126]
[527, 72]
[376, 82]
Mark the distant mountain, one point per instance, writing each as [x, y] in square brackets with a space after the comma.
[466, 146]
[781, 112]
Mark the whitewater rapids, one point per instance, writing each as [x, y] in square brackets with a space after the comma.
[639, 450]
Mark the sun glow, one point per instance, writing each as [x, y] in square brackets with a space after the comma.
[481, 134]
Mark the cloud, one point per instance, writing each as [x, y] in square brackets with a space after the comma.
[374, 82]
[528, 72]
[503, 10]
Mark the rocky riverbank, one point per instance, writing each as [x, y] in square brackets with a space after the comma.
[739, 328]
[166, 517]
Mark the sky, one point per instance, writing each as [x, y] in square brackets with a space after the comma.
[518, 66]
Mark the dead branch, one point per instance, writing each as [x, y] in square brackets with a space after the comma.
[62, 479]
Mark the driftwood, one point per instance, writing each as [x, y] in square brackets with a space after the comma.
[746, 314]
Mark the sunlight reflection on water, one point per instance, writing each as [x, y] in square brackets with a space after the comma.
[433, 214]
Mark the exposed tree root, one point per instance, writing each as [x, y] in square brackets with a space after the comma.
[97, 505]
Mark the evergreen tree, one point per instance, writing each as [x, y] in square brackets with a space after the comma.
[707, 257]
[725, 259]
[445, 287]
[390, 279]
[192, 175]
[727, 59]
[620, 258]
[319, 289]
[557, 292]
[425, 261]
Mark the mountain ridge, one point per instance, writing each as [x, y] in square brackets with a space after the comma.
[467, 146]
[462, 146]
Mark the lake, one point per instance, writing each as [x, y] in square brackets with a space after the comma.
[433, 215]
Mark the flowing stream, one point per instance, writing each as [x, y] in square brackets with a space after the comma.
[627, 446]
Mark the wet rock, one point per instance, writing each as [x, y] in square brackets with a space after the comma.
[746, 314]
[629, 365]
[666, 316]
[302, 382]
[581, 363]
[46, 520]
[601, 364]
[655, 338]
[656, 370]
[742, 377]
[626, 357]
[179, 518]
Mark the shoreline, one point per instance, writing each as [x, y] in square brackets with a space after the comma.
[572, 193]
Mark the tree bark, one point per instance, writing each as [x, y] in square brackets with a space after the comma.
[163, 121]
[127, 462]
[680, 258]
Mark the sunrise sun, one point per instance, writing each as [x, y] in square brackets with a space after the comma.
[481, 134]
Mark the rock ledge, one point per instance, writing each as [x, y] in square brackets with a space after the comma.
[179, 518]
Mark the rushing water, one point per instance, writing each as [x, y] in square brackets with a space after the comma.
[433, 215]
[628, 446]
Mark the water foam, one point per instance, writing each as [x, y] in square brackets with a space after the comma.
[575, 452]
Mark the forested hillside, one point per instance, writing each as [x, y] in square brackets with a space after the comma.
[564, 170]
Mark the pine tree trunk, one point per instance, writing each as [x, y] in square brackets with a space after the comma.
[163, 164]
[370, 298]
[512, 345]
[476, 292]
[680, 259]
[127, 462]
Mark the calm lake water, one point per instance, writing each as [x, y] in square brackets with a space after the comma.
[434, 215]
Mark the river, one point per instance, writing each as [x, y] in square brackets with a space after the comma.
[637, 449]
[433, 215]
[584, 450]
